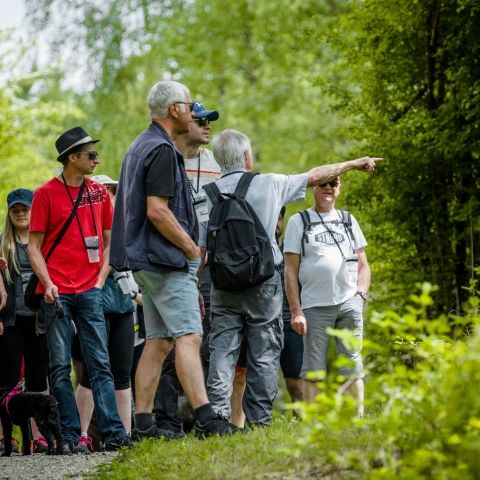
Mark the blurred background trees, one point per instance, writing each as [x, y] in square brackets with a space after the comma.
[310, 82]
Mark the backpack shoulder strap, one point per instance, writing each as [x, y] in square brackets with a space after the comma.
[243, 184]
[213, 192]
[347, 222]
[306, 226]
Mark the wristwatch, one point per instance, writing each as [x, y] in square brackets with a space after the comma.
[362, 294]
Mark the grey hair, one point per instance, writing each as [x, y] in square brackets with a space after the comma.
[162, 94]
[228, 149]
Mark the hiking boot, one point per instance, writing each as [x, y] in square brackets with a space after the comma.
[84, 445]
[214, 426]
[156, 432]
[40, 445]
[122, 442]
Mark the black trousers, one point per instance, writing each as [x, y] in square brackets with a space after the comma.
[21, 340]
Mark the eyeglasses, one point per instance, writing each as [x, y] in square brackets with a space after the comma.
[202, 122]
[333, 184]
[92, 154]
[190, 104]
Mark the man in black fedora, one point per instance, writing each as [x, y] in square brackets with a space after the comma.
[71, 279]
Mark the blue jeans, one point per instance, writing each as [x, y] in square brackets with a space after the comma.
[85, 309]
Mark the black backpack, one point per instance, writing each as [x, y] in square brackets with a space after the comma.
[240, 255]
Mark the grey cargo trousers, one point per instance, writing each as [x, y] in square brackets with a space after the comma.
[256, 314]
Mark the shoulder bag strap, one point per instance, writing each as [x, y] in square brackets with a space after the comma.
[67, 223]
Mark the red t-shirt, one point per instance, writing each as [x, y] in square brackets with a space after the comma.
[68, 266]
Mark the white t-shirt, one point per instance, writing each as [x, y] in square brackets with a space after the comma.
[200, 171]
[267, 194]
[327, 275]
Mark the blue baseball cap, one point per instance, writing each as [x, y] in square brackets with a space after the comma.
[199, 111]
[20, 195]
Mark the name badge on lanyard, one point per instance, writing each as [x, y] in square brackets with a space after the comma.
[201, 208]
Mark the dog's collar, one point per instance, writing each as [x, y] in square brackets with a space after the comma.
[12, 393]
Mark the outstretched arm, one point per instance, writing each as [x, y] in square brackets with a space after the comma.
[325, 173]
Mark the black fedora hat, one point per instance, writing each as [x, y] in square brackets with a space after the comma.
[72, 138]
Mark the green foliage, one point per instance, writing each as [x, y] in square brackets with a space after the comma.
[31, 118]
[310, 82]
[423, 406]
[236, 457]
[416, 68]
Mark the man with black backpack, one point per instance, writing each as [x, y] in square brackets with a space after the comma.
[243, 255]
[325, 254]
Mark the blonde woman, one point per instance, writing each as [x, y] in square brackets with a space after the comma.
[18, 333]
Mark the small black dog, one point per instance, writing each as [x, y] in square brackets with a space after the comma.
[19, 408]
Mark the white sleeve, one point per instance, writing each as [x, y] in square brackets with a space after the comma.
[360, 241]
[293, 235]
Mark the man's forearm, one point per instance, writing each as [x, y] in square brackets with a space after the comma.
[39, 266]
[364, 272]
[105, 270]
[363, 280]
[167, 224]
[291, 289]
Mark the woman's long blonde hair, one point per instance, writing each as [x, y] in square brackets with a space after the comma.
[8, 248]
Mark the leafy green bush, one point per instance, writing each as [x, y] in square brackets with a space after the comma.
[423, 409]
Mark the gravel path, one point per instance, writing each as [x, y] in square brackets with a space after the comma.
[51, 467]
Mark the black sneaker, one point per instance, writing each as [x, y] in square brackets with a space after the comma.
[156, 432]
[122, 442]
[172, 432]
[215, 426]
[66, 448]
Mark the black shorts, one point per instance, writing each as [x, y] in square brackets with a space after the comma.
[292, 354]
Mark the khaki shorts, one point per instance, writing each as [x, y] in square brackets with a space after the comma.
[347, 315]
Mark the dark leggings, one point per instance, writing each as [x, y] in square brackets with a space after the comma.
[17, 341]
[120, 349]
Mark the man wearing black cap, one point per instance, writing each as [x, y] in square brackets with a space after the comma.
[71, 282]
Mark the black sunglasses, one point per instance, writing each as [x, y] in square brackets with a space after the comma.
[333, 184]
[92, 154]
[202, 122]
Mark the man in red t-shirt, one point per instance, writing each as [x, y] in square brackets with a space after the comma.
[71, 283]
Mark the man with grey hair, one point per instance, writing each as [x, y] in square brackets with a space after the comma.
[256, 312]
[154, 234]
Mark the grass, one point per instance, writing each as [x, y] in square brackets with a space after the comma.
[265, 453]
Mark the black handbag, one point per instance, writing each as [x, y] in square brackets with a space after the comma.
[33, 300]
